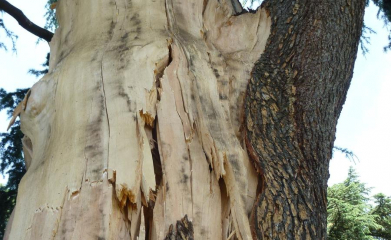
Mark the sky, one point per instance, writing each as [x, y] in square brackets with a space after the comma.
[364, 126]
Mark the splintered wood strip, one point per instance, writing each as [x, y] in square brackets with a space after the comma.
[118, 222]
[171, 74]
[213, 109]
[231, 235]
[127, 94]
[174, 156]
[158, 229]
[21, 107]
[207, 217]
[148, 183]
[134, 216]
[142, 233]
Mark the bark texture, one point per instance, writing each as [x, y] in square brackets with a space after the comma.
[138, 123]
[293, 103]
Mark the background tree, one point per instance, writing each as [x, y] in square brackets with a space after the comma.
[348, 210]
[382, 209]
[385, 14]
[12, 162]
[8, 33]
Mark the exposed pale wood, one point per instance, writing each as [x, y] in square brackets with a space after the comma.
[206, 195]
[20, 108]
[128, 78]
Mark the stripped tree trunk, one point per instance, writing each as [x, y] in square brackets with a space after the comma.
[139, 129]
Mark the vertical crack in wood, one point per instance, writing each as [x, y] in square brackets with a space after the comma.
[107, 114]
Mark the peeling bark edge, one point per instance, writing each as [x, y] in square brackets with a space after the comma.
[24, 21]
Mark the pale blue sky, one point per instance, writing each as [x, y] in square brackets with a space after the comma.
[365, 123]
[364, 126]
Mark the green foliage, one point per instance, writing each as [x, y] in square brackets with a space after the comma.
[7, 198]
[39, 73]
[384, 9]
[365, 39]
[11, 155]
[8, 34]
[383, 210]
[348, 153]
[384, 13]
[348, 210]
[50, 15]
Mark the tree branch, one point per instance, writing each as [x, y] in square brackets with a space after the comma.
[24, 21]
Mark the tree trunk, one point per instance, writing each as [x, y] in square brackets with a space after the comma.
[139, 129]
[294, 100]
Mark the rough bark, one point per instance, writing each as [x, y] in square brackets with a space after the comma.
[139, 125]
[294, 100]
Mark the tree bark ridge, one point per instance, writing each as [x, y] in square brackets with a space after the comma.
[293, 103]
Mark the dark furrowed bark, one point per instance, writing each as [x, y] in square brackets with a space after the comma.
[25, 22]
[184, 230]
[293, 103]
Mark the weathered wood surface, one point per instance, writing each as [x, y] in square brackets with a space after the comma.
[138, 122]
